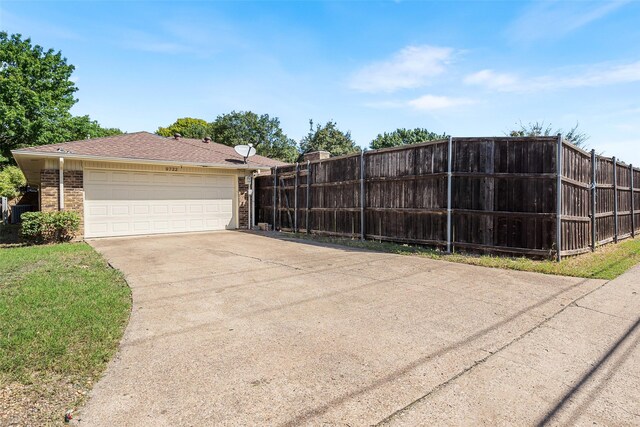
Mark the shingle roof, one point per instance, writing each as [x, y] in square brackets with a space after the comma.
[148, 146]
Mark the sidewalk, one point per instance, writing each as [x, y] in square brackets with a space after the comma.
[580, 367]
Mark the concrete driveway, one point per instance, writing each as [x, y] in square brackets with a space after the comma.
[233, 328]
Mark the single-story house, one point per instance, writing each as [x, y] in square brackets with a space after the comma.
[141, 183]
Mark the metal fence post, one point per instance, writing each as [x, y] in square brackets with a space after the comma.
[295, 200]
[594, 189]
[449, 190]
[362, 195]
[4, 211]
[275, 195]
[559, 198]
[306, 222]
[633, 215]
[615, 199]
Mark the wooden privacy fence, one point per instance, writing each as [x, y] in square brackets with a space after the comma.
[480, 194]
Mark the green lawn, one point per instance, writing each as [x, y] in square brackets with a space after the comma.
[62, 313]
[607, 262]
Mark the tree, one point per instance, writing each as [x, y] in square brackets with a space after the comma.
[82, 127]
[328, 138]
[264, 132]
[574, 136]
[11, 179]
[36, 93]
[187, 127]
[403, 137]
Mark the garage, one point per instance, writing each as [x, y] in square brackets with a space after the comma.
[141, 183]
[124, 203]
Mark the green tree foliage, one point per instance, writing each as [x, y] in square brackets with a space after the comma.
[403, 137]
[11, 179]
[573, 136]
[328, 138]
[264, 132]
[82, 127]
[187, 127]
[36, 94]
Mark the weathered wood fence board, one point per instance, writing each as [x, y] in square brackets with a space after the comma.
[503, 196]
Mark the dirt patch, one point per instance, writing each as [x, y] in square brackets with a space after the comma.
[9, 234]
[42, 402]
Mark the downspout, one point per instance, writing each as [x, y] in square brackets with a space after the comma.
[61, 184]
[253, 201]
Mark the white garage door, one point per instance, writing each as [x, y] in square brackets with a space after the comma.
[123, 203]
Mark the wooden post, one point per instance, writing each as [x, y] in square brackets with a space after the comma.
[308, 196]
[559, 198]
[615, 199]
[449, 190]
[295, 200]
[362, 195]
[594, 190]
[633, 216]
[275, 195]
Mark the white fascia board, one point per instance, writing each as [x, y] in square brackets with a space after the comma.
[19, 153]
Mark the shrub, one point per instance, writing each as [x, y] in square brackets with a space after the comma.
[11, 179]
[43, 227]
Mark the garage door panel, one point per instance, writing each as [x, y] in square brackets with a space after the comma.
[120, 227]
[225, 207]
[97, 176]
[161, 225]
[180, 224]
[98, 210]
[119, 203]
[120, 177]
[141, 209]
[178, 209]
[122, 210]
[196, 224]
[142, 226]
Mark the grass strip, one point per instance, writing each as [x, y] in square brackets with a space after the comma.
[607, 262]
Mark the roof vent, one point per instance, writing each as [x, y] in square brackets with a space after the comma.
[177, 135]
[206, 140]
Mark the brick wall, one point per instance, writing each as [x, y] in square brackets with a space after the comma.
[73, 193]
[243, 204]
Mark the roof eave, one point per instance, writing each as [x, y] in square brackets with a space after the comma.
[27, 153]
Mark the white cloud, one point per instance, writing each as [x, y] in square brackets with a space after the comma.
[434, 102]
[411, 67]
[554, 18]
[491, 79]
[592, 76]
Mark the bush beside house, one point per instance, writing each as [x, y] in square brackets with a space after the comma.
[46, 227]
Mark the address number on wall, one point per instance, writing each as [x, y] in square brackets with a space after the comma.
[171, 169]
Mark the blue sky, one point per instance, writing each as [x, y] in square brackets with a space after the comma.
[462, 68]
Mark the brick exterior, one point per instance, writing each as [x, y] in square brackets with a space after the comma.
[73, 193]
[243, 204]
